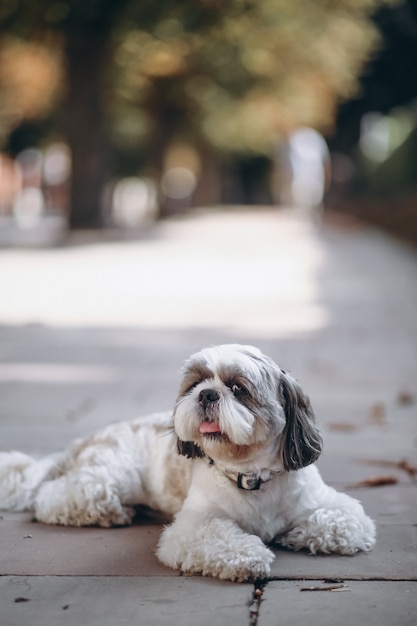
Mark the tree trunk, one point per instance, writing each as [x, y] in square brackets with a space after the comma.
[85, 55]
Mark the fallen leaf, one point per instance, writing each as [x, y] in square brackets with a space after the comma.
[380, 462]
[403, 465]
[408, 467]
[405, 398]
[377, 413]
[342, 426]
[376, 481]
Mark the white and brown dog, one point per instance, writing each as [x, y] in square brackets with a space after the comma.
[233, 465]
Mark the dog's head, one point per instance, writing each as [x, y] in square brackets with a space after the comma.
[234, 400]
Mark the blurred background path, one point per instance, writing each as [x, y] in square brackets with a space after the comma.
[103, 327]
[126, 310]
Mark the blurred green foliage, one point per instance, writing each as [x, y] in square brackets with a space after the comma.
[261, 69]
[242, 70]
[230, 75]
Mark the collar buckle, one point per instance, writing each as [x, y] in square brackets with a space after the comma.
[249, 482]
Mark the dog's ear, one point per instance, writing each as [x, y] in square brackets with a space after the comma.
[189, 449]
[301, 440]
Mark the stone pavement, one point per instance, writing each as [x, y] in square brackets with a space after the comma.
[96, 332]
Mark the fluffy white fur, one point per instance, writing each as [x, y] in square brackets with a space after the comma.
[243, 421]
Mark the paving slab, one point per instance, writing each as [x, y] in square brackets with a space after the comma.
[50, 601]
[39, 550]
[106, 601]
[390, 505]
[393, 558]
[370, 603]
[353, 464]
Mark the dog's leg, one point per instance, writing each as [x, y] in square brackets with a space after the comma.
[21, 477]
[344, 528]
[100, 488]
[87, 497]
[90, 493]
[213, 547]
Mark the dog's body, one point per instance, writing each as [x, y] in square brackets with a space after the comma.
[250, 432]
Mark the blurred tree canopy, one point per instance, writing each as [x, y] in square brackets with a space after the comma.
[390, 79]
[130, 77]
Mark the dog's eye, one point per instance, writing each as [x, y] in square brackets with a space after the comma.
[239, 390]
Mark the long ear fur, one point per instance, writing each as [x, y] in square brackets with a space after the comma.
[302, 442]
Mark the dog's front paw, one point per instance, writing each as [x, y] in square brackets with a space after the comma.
[217, 548]
[244, 567]
[332, 531]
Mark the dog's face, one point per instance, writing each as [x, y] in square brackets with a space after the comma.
[234, 400]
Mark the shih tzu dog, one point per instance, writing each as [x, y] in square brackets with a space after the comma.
[233, 465]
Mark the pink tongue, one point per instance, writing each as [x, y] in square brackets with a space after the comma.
[209, 427]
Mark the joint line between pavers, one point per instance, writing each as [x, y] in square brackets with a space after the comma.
[255, 605]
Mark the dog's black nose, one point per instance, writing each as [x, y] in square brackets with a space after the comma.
[208, 396]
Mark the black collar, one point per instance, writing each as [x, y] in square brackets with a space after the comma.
[249, 481]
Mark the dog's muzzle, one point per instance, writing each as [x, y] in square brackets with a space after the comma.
[208, 397]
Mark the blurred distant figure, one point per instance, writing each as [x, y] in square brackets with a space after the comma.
[134, 202]
[10, 183]
[303, 163]
[29, 204]
[56, 176]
